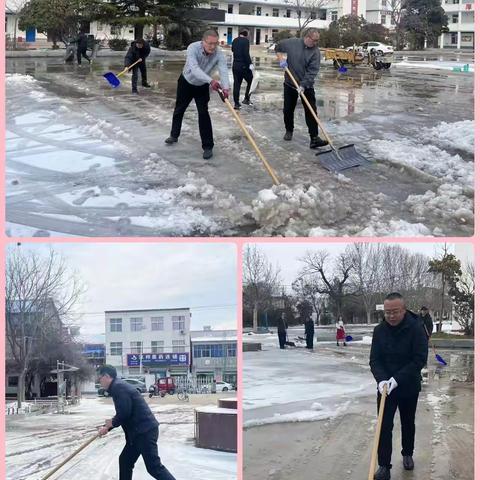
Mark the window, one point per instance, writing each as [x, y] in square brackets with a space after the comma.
[313, 15]
[178, 323]
[116, 348]
[178, 346]
[231, 350]
[115, 324]
[230, 8]
[135, 347]
[136, 324]
[288, 13]
[157, 323]
[99, 27]
[13, 381]
[115, 30]
[201, 351]
[322, 15]
[455, 18]
[214, 5]
[259, 11]
[334, 16]
[383, 19]
[157, 346]
[453, 38]
[275, 12]
[384, 3]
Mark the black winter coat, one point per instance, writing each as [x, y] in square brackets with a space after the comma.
[132, 412]
[135, 53]
[282, 325]
[309, 327]
[241, 53]
[400, 352]
[428, 322]
[82, 42]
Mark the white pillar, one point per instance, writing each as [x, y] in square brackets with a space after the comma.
[459, 36]
[441, 40]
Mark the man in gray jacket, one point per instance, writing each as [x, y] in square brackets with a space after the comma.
[304, 63]
[203, 58]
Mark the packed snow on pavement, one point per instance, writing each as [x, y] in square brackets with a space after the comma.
[83, 159]
[35, 444]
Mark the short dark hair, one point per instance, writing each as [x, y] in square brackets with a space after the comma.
[394, 296]
[109, 370]
[244, 33]
[424, 308]
[310, 31]
[140, 40]
[209, 33]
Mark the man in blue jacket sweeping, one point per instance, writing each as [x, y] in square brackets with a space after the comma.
[139, 424]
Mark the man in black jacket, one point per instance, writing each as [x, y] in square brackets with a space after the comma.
[139, 50]
[282, 326]
[82, 44]
[139, 424]
[242, 68]
[304, 64]
[309, 332]
[399, 352]
[426, 318]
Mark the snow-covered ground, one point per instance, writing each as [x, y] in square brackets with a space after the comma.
[312, 415]
[83, 159]
[35, 444]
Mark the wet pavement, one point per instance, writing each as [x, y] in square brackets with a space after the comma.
[83, 159]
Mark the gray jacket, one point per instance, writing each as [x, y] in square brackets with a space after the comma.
[303, 62]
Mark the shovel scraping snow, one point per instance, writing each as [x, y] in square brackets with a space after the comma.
[113, 79]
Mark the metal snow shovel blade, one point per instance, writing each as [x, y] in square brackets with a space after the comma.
[113, 79]
[378, 429]
[290, 344]
[77, 451]
[335, 159]
[250, 138]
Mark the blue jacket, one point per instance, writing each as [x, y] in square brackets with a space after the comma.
[132, 412]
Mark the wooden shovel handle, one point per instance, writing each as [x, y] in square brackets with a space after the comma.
[129, 67]
[376, 440]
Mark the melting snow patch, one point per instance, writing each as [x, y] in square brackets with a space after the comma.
[458, 135]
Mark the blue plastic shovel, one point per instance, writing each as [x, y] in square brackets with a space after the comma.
[348, 338]
[113, 79]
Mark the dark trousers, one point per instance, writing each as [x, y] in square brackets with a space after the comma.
[187, 92]
[241, 73]
[309, 339]
[290, 97]
[282, 338]
[143, 71]
[145, 445]
[80, 54]
[407, 407]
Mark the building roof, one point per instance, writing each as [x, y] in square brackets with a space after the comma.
[147, 310]
[213, 339]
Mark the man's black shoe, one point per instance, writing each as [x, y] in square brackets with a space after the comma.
[237, 106]
[207, 153]
[135, 91]
[316, 142]
[408, 462]
[246, 101]
[383, 473]
[288, 136]
[146, 85]
[171, 140]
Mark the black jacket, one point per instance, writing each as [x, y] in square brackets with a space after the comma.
[241, 53]
[132, 412]
[135, 53]
[428, 322]
[282, 325]
[82, 42]
[309, 327]
[400, 352]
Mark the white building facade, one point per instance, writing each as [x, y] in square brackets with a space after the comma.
[460, 24]
[149, 341]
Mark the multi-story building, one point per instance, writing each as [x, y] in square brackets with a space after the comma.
[379, 11]
[148, 341]
[460, 24]
[214, 355]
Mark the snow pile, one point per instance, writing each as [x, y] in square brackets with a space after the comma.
[457, 135]
[16, 79]
[397, 228]
[366, 340]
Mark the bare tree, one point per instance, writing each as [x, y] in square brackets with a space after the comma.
[307, 289]
[307, 11]
[333, 281]
[15, 6]
[463, 293]
[260, 281]
[41, 291]
[396, 9]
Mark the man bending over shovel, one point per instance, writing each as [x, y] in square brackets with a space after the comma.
[399, 352]
[139, 424]
[139, 50]
[202, 58]
[304, 63]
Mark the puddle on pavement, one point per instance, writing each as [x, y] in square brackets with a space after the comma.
[459, 368]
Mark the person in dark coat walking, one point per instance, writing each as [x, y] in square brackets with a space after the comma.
[139, 50]
[82, 44]
[399, 352]
[139, 424]
[242, 68]
[309, 332]
[304, 63]
[426, 318]
[282, 326]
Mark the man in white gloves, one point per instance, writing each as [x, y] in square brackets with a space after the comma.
[399, 352]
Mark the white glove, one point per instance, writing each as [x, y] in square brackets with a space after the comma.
[392, 385]
[251, 67]
[300, 90]
[381, 385]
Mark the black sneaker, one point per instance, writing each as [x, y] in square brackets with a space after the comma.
[171, 140]
[207, 153]
[237, 106]
[146, 85]
[383, 473]
[246, 101]
[135, 91]
[288, 136]
[408, 462]
[316, 142]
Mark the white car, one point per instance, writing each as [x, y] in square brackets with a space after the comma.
[380, 48]
[224, 386]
